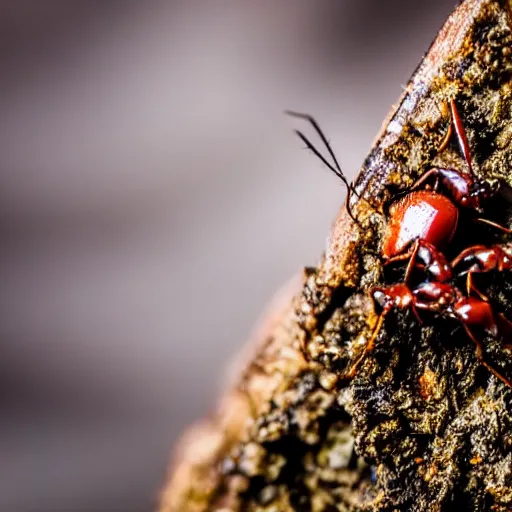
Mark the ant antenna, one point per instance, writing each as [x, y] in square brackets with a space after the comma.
[336, 169]
[462, 138]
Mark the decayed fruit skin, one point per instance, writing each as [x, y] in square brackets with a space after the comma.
[433, 428]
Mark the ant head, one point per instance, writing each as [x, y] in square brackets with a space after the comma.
[398, 294]
[481, 191]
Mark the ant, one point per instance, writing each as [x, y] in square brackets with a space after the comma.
[442, 299]
[423, 222]
[426, 220]
[480, 259]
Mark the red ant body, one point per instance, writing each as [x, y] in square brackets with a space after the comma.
[432, 262]
[428, 216]
[480, 259]
[421, 222]
[420, 215]
[424, 214]
[442, 299]
[421, 225]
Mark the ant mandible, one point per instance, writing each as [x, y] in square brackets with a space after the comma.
[442, 299]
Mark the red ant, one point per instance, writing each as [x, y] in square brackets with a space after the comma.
[483, 259]
[442, 299]
[421, 224]
[425, 220]
[478, 259]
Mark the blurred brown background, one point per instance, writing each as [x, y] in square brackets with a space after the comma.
[153, 199]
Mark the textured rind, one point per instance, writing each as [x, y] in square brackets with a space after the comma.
[423, 426]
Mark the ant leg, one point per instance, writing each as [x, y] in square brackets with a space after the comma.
[505, 325]
[469, 251]
[456, 123]
[433, 262]
[399, 257]
[424, 177]
[478, 266]
[402, 257]
[470, 286]
[408, 255]
[479, 350]
[446, 138]
[417, 314]
[370, 345]
[412, 261]
[461, 134]
[494, 225]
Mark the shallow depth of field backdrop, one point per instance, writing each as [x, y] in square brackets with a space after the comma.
[153, 198]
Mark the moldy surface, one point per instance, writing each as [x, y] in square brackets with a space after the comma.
[422, 426]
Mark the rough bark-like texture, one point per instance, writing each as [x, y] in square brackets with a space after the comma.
[422, 426]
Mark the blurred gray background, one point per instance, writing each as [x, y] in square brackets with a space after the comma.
[153, 199]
